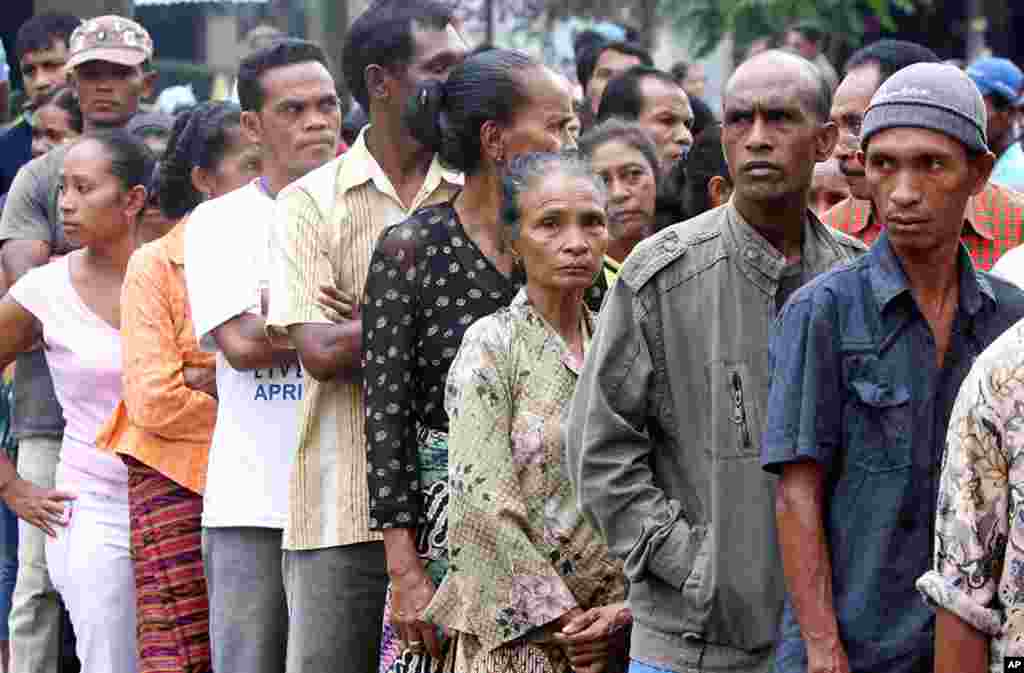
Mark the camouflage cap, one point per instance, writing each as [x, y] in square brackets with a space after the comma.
[110, 38]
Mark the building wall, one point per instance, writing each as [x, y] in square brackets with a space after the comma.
[85, 8]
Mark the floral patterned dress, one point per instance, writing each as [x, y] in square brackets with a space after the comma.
[521, 553]
[978, 571]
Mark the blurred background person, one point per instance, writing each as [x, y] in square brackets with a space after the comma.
[536, 591]
[653, 99]
[698, 185]
[623, 156]
[828, 187]
[41, 50]
[692, 78]
[55, 121]
[1002, 84]
[808, 39]
[603, 62]
[163, 426]
[153, 128]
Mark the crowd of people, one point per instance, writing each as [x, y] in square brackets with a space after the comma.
[511, 380]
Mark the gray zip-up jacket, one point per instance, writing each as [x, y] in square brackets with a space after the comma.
[663, 438]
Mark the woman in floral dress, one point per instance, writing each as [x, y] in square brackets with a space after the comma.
[530, 587]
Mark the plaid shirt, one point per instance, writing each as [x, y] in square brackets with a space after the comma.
[994, 221]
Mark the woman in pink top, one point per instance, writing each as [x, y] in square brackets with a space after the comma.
[73, 305]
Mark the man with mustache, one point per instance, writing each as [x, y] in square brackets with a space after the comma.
[992, 218]
[663, 437]
[866, 364]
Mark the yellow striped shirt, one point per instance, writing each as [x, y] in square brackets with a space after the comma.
[325, 227]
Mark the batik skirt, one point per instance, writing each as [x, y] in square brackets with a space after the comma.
[431, 545]
[173, 610]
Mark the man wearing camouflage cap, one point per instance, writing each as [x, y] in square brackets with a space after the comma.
[109, 70]
[866, 364]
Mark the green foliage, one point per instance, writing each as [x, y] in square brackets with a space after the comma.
[708, 21]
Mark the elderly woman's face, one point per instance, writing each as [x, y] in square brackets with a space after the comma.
[631, 189]
[563, 233]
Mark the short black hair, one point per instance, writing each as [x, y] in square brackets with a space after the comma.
[200, 137]
[446, 117]
[586, 62]
[65, 99]
[382, 35]
[812, 32]
[679, 70]
[890, 56]
[41, 31]
[623, 98]
[282, 52]
[705, 161]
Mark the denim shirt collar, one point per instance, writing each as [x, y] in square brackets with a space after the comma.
[889, 281]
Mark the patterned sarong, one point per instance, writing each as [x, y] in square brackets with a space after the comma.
[173, 610]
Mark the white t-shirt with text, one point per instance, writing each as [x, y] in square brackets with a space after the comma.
[226, 265]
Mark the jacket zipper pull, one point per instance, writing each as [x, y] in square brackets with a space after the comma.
[739, 413]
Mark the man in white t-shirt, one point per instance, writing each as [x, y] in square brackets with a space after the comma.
[288, 101]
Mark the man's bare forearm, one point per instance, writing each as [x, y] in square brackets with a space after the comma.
[959, 647]
[805, 554]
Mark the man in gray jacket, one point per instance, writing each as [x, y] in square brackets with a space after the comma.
[664, 432]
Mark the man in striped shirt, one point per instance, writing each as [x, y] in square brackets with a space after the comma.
[323, 234]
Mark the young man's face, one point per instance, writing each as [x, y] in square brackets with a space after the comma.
[920, 181]
[43, 70]
[109, 93]
[435, 54]
[299, 121]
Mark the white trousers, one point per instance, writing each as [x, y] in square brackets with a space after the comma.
[91, 566]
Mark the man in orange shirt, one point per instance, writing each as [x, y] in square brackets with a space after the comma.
[994, 218]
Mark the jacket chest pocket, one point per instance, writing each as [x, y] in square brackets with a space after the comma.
[736, 421]
[878, 415]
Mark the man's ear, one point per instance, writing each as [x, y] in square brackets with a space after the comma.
[135, 202]
[981, 166]
[828, 136]
[149, 83]
[252, 127]
[719, 191]
[378, 82]
[203, 181]
[492, 142]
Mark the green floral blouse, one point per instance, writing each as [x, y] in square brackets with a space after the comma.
[522, 555]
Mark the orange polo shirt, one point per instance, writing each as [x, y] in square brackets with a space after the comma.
[161, 422]
[993, 223]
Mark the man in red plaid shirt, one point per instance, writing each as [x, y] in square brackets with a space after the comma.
[994, 219]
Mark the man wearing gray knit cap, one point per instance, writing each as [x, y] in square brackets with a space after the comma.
[866, 363]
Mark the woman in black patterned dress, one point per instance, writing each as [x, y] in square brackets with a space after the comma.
[430, 278]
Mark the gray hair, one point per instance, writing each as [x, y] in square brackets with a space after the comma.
[523, 173]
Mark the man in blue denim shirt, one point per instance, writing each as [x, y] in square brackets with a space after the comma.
[866, 363]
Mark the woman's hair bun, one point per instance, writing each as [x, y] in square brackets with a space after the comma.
[425, 114]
